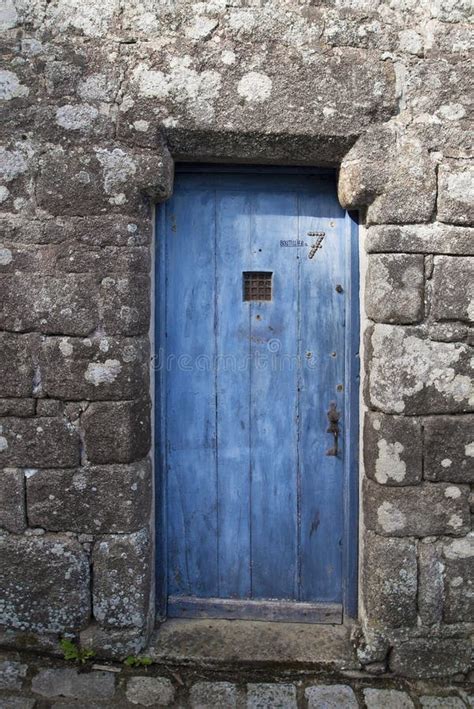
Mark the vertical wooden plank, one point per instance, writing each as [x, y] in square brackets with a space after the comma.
[191, 425]
[322, 347]
[351, 451]
[233, 393]
[273, 334]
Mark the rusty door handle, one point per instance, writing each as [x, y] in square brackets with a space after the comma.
[333, 417]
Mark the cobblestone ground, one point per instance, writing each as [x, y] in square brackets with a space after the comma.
[28, 681]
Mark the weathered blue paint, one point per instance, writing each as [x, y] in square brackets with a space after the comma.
[255, 509]
[351, 415]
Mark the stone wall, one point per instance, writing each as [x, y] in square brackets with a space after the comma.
[98, 100]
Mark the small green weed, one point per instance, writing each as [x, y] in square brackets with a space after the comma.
[75, 652]
[136, 661]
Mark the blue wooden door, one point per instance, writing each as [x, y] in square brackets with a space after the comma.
[253, 385]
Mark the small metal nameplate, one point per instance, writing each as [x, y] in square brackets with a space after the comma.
[298, 243]
[291, 243]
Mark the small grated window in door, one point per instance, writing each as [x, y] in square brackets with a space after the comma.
[257, 285]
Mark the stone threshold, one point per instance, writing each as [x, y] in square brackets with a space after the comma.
[253, 644]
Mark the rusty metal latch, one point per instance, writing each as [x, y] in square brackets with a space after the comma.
[333, 417]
